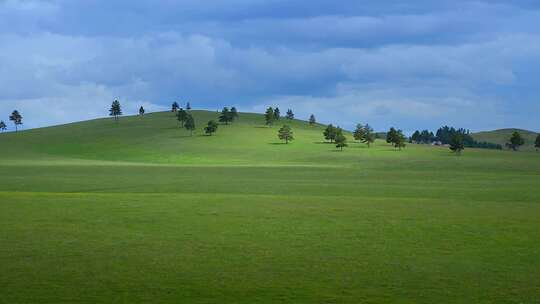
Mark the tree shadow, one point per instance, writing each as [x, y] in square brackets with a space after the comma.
[262, 127]
[277, 143]
[322, 142]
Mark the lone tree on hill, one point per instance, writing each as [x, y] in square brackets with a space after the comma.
[234, 114]
[396, 138]
[190, 124]
[211, 127]
[269, 116]
[285, 133]
[181, 116]
[3, 126]
[116, 110]
[225, 116]
[515, 141]
[456, 143]
[277, 115]
[330, 133]
[16, 118]
[341, 140]
[141, 111]
[536, 144]
[364, 134]
[312, 120]
[290, 114]
[188, 106]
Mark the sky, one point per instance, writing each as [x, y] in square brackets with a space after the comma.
[408, 64]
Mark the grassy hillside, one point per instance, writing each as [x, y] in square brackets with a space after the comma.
[503, 135]
[139, 211]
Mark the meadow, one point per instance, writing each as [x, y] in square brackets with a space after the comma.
[138, 211]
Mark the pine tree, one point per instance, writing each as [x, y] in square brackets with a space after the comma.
[368, 136]
[189, 124]
[415, 138]
[456, 143]
[225, 116]
[277, 114]
[536, 144]
[515, 141]
[116, 110]
[17, 119]
[211, 127]
[234, 114]
[290, 114]
[269, 116]
[175, 107]
[3, 126]
[400, 140]
[312, 120]
[181, 116]
[396, 138]
[359, 132]
[330, 133]
[285, 133]
[341, 140]
[188, 106]
[141, 111]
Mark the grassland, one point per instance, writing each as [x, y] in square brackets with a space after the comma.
[139, 211]
[502, 137]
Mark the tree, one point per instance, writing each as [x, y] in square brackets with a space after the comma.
[211, 127]
[415, 138]
[17, 119]
[225, 116]
[189, 124]
[358, 133]
[341, 140]
[234, 114]
[515, 141]
[188, 106]
[181, 115]
[290, 114]
[269, 116]
[396, 138]
[3, 126]
[391, 135]
[175, 107]
[364, 133]
[456, 144]
[536, 144]
[330, 133]
[116, 110]
[141, 111]
[312, 120]
[277, 114]
[286, 134]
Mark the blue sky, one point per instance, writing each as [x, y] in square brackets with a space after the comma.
[408, 64]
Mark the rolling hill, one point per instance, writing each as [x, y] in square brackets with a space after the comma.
[139, 211]
[503, 135]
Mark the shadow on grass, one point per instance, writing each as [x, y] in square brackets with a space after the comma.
[322, 142]
[262, 127]
[278, 143]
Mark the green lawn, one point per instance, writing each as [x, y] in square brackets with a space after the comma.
[139, 211]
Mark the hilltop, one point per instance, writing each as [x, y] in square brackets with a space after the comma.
[502, 136]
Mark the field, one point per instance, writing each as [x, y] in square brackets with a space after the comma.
[139, 211]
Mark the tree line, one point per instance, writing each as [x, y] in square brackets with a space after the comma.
[446, 135]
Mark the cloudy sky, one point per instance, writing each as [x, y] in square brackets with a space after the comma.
[409, 64]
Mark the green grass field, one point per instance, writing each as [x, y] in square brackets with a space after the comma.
[140, 212]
